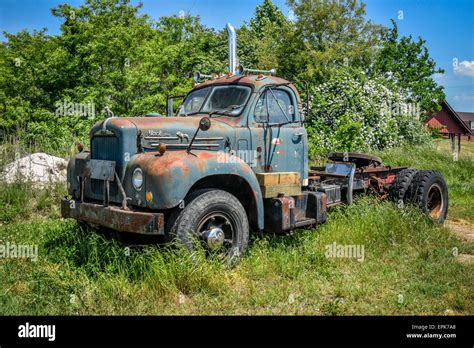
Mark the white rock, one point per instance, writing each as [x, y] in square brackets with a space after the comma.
[38, 168]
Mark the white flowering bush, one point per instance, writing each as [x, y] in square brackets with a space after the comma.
[351, 112]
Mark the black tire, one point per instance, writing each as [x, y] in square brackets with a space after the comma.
[401, 189]
[206, 207]
[430, 194]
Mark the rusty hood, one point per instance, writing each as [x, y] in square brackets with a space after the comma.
[173, 131]
[171, 125]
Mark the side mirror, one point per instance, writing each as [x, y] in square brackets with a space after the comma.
[240, 70]
[169, 106]
[197, 76]
[204, 123]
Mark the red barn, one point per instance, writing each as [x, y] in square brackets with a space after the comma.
[434, 123]
[468, 119]
[449, 123]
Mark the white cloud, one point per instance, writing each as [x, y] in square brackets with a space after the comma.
[463, 97]
[465, 68]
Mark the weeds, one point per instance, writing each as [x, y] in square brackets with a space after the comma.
[408, 265]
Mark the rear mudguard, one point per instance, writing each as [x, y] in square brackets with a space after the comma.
[170, 177]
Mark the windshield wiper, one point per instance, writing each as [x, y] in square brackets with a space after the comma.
[194, 113]
[225, 112]
[216, 112]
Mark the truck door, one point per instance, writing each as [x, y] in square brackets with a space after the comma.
[278, 134]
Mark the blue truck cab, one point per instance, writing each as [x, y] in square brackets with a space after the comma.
[150, 166]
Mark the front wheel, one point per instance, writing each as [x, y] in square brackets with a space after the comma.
[217, 219]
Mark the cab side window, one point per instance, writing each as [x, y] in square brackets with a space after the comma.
[275, 106]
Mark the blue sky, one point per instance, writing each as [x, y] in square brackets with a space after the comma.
[446, 25]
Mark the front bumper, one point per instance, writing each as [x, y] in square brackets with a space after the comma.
[113, 217]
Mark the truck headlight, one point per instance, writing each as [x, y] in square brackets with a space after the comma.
[137, 179]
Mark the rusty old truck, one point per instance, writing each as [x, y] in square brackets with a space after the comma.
[232, 159]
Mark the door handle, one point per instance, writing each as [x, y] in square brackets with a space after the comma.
[297, 136]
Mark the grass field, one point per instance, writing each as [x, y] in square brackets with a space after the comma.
[409, 264]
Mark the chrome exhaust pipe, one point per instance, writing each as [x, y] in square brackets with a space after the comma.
[232, 48]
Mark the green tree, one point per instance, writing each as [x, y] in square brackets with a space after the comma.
[267, 14]
[329, 33]
[409, 66]
[262, 39]
[102, 38]
[32, 71]
[109, 54]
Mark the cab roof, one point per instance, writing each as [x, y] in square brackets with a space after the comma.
[254, 80]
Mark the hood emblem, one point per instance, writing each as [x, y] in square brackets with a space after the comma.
[154, 133]
[182, 136]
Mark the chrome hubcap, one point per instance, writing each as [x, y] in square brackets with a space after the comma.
[216, 230]
[214, 238]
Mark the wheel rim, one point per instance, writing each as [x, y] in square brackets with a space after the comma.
[435, 202]
[217, 231]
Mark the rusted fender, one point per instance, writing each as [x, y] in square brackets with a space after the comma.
[170, 176]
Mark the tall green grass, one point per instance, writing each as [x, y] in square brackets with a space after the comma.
[82, 272]
[409, 265]
[22, 200]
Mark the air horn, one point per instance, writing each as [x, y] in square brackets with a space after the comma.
[241, 70]
[198, 76]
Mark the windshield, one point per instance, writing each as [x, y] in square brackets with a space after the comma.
[229, 100]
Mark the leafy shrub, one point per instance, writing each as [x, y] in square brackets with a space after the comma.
[353, 112]
[435, 132]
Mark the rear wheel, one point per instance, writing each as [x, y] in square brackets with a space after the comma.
[401, 189]
[217, 219]
[430, 193]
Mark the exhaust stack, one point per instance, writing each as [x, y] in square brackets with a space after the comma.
[232, 48]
